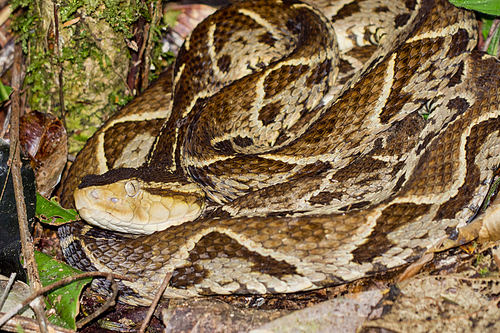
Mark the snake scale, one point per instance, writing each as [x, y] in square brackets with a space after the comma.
[287, 169]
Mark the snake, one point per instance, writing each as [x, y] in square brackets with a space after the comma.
[292, 146]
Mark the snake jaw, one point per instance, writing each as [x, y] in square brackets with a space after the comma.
[128, 206]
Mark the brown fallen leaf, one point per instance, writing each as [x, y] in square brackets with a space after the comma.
[490, 229]
[343, 314]
[454, 303]
[44, 139]
[485, 227]
[414, 268]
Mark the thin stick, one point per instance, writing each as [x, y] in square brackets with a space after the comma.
[6, 123]
[148, 42]
[494, 27]
[4, 187]
[7, 289]
[15, 158]
[60, 67]
[152, 308]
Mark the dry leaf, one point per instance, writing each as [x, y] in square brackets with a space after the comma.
[414, 268]
[345, 314]
[44, 139]
[453, 303]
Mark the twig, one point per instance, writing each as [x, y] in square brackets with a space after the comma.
[4, 187]
[38, 305]
[15, 158]
[157, 15]
[109, 303]
[7, 289]
[29, 325]
[59, 64]
[5, 126]
[144, 64]
[152, 308]
[55, 285]
[494, 27]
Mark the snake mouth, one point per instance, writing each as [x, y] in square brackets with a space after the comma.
[126, 207]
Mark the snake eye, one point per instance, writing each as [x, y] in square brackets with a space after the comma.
[132, 187]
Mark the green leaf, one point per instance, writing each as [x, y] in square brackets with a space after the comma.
[51, 212]
[4, 92]
[487, 23]
[64, 300]
[491, 7]
[170, 17]
[69, 8]
[493, 47]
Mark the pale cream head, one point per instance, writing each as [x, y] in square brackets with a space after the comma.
[133, 206]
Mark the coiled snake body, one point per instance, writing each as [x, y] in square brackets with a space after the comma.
[308, 182]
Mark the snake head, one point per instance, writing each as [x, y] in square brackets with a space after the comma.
[137, 206]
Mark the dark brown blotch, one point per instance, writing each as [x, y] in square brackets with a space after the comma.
[325, 198]
[459, 43]
[345, 66]
[224, 63]
[224, 147]
[346, 11]
[363, 53]
[241, 164]
[357, 205]
[269, 112]
[360, 166]
[184, 277]
[226, 26]
[401, 19]
[457, 77]
[459, 104]
[267, 38]
[277, 80]
[393, 218]
[381, 9]
[411, 57]
[410, 4]
[294, 25]
[242, 142]
[319, 73]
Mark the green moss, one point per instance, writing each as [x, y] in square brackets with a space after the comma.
[93, 55]
[122, 14]
[92, 52]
